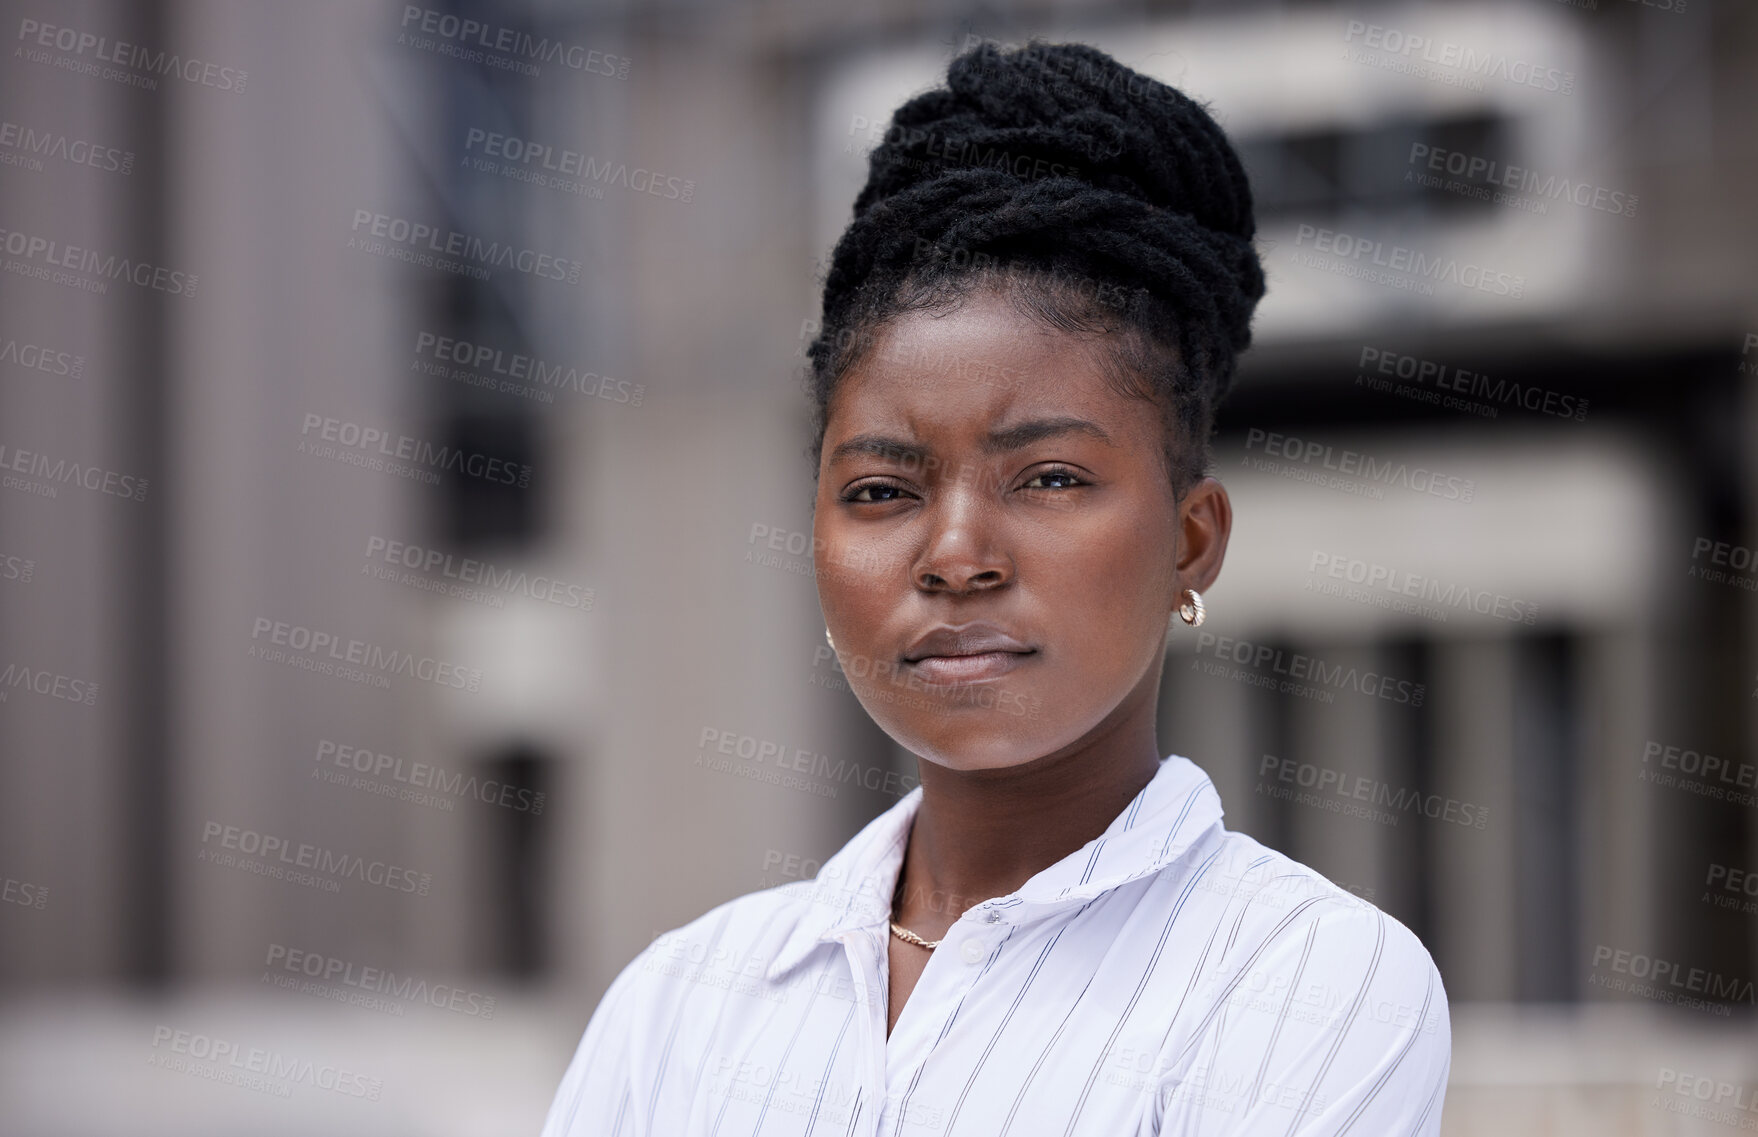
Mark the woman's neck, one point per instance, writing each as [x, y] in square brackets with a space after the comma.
[979, 834]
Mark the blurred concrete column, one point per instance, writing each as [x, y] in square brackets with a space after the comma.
[1208, 719]
[1476, 942]
[82, 622]
[289, 322]
[1618, 858]
[701, 301]
[1345, 738]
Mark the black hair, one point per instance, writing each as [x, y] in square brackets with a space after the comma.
[1097, 200]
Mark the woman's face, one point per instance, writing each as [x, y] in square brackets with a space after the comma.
[998, 547]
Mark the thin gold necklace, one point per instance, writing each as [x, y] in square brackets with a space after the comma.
[898, 929]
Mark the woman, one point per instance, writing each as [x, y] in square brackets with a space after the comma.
[1026, 328]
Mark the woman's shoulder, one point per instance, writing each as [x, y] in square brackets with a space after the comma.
[667, 996]
[751, 922]
[1287, 925]
[730, 948]
[1297, 1001]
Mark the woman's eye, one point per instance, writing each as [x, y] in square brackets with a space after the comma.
[874, 488]
[1070, 479]
[873, 492]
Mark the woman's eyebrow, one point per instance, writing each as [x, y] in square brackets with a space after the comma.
[999, 441]
[1024, 434]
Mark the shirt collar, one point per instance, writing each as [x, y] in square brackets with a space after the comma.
[853, 888]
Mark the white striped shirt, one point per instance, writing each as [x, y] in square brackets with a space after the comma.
[1170, 976]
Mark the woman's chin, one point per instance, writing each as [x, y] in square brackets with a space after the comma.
[996, 744]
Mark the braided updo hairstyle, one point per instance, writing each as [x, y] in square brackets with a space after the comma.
[1099, 201]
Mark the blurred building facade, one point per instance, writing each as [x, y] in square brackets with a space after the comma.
[447, 555]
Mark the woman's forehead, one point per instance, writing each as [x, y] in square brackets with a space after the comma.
[984, 323]
[986, 359]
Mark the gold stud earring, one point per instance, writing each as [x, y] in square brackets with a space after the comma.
[1191, 610]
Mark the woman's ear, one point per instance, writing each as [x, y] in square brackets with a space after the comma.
[1205, 519]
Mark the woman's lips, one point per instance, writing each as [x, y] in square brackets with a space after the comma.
[952, 669]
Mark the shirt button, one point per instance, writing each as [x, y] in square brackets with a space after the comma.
[972, 951]
[994, 916]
